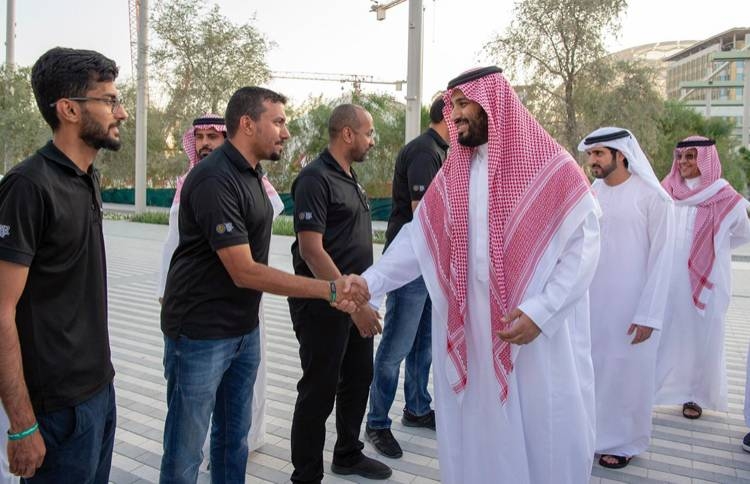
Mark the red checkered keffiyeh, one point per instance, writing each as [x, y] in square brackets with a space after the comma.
[709, 215]
[188, 144]
[533, 185]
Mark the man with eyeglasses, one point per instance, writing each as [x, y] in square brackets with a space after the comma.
[710, 220]
[55, 366]
[334, 237]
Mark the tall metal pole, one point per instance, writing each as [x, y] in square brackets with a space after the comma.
[141, 109]
[10, 61]
[414, 71]
[10, 34]
[746, 99]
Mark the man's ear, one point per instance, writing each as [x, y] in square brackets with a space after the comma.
[247, 125]
[68, 111]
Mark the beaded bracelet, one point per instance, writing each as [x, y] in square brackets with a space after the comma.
[333, 292]
[23, 433]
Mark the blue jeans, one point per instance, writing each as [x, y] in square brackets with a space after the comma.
[205, 376]
[407, 333]
[79, 441]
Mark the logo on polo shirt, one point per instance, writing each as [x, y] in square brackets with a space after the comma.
[225, 227]
[304, 215]
[418, 188]
[4, 231]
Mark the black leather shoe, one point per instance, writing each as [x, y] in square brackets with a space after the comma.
[384, 442]
[746, 443]
[367, 467]
[427, 420]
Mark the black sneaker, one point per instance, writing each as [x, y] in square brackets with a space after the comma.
[427, 420]
[367, 467]
[746, 443]
[384, 442]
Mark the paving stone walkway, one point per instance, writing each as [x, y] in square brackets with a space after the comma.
[682, 451]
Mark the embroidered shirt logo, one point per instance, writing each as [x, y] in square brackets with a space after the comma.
[224, 228]
[305, 216]
[418, 188]
[4, 231]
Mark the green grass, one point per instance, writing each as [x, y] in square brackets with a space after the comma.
[161, 218]
[283, 225]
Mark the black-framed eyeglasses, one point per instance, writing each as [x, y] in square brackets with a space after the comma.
[115, 103]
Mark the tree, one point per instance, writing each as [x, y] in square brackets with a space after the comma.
[549, 44]
[202, 57]
[620, 93]
[22, 128]
[117, 168]
[308, 127]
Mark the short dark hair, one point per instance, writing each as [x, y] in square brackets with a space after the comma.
[436, 110]
[248, 101]
[342, 116]
[64, 73]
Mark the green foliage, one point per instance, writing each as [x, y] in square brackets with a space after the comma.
[679, 121]
[547, 47]
[118, 167]
[22, 128]
[620, 93]
[203, 57]
[161, 218]
[308, 126]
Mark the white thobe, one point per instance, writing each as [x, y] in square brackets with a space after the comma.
[544, 432]
[5, 476]
[630, 286]
[690, 363]
[255, 437]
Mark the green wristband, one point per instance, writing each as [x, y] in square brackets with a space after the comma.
[332, 297]
[23, 433]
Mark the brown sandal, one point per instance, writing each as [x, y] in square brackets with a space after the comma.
[694, 407]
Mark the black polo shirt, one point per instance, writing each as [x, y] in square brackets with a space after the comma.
[329, 201]
[223, 203]
[51, 222]
[416, 165]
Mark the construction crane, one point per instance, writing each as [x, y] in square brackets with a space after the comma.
[380, 8]
[356, 80]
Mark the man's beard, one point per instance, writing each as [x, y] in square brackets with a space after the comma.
[204, 152]
[96, 136]
[604, 171]
[476, 133]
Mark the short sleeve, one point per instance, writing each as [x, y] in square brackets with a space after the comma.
[22, 219]
[217, 209]
[423, 166]
[310, 204]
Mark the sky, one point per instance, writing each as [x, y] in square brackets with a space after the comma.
[344, 37]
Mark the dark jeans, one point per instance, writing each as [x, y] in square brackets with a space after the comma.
[336, 365]
[79, 441]
[407, 333]
[205, 376]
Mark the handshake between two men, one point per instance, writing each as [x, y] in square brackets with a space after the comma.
[350, 294]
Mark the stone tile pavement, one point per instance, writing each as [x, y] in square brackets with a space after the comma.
[682, 451]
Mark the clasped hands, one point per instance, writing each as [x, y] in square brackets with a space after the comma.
[353, 296]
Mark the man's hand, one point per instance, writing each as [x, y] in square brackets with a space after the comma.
[367, 321]
[642, 333]
[351, 293]
[522, 332]
[26, 455]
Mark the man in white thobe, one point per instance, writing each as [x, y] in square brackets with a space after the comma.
[629, 291]
[710, 220]
[507, 240]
